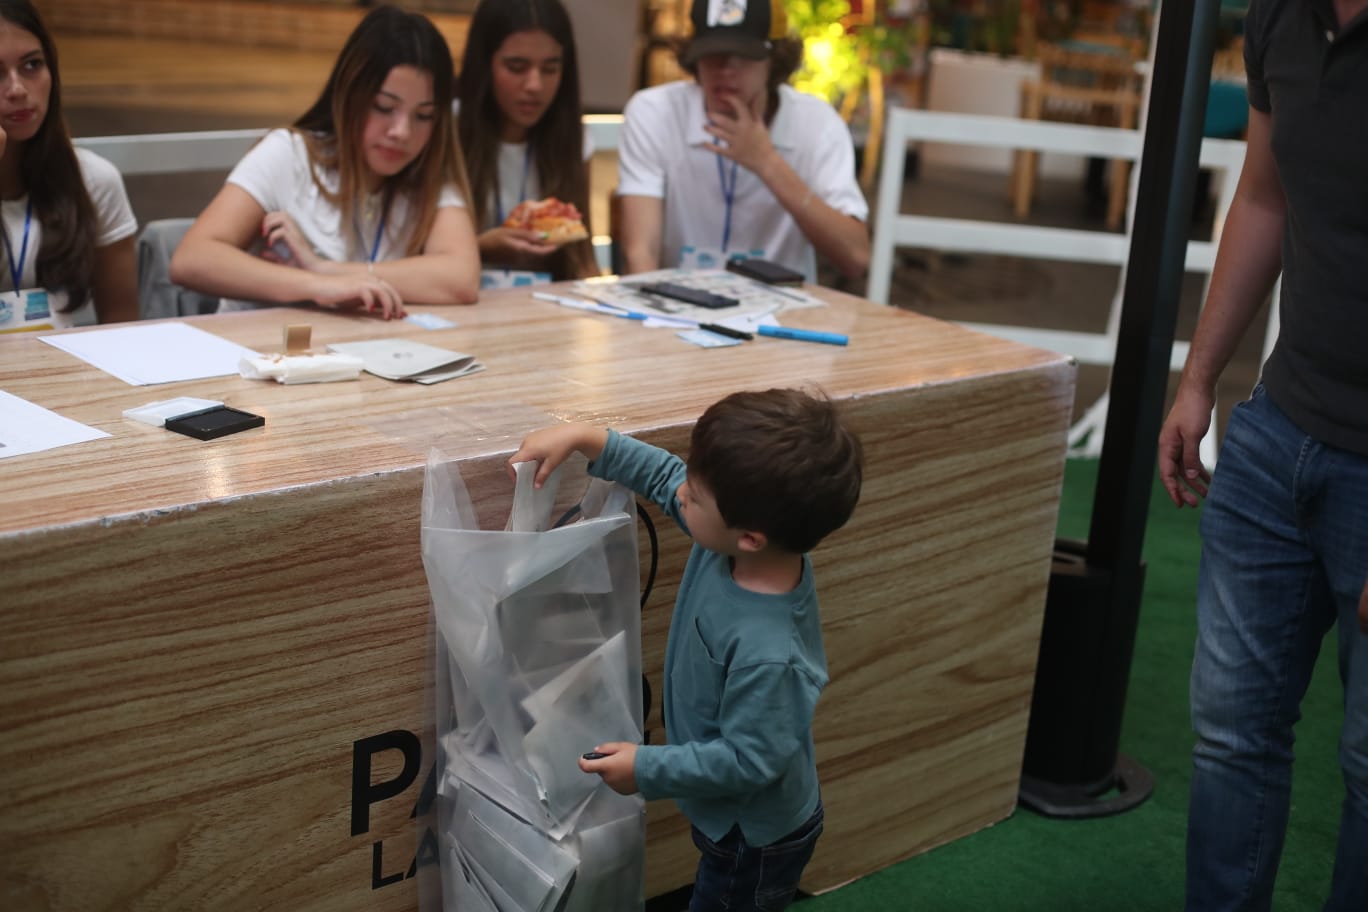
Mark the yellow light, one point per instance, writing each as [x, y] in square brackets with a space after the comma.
[820, 51]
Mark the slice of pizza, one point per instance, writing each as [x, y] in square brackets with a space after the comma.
[557, 221]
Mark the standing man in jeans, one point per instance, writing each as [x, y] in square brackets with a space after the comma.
[1285, 526]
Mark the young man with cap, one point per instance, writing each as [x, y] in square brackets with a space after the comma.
[737, 163]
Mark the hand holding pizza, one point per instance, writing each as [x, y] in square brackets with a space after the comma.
[512, 245]
[556, 222]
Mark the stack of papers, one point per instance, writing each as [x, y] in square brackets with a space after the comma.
[404, 359]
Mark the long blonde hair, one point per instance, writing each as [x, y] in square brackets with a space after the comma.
[332, 128]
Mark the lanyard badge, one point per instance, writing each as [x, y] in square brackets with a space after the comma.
[379, 232]
[728, 184]
[17, 269]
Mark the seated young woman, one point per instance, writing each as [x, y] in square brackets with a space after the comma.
[67, 225]
[520, 128]
[361, 204]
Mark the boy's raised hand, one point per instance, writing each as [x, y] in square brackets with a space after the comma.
[744, 137]
[553, 445]
[617, 766]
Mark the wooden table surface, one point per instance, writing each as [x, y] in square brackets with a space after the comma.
[544, 363]
[216, 668]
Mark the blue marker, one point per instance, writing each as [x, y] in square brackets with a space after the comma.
[802, 335]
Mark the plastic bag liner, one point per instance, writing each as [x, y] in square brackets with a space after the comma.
[538, 642]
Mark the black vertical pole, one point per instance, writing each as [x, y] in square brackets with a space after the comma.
[1072, 766]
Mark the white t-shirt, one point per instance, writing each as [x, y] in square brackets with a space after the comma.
[277, 173]
[514, 187]
[662, 156]
[517, 177]
[114, 221]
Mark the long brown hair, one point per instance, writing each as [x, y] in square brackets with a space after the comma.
[555, 142]
[52, 177]
[332, 128]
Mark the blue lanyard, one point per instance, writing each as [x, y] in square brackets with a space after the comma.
[522, 187]
[379, 230]
[17, 270]
[729, 195]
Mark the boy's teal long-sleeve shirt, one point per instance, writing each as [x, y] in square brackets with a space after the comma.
[743, 672]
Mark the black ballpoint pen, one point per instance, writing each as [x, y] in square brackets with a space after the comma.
[726, 331]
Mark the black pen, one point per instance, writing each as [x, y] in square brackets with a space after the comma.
[726, 331]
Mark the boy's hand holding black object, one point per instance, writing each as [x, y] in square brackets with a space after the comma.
[615, 763]
[765, 271]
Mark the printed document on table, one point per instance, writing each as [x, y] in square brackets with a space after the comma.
[146, 354]
[755, 300]
[29, 428]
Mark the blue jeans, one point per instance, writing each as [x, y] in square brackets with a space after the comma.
[1284, 559]
[737, 877]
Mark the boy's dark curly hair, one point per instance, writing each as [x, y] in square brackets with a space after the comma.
[780, 462]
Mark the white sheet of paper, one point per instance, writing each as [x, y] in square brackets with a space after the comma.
[588, 708]
[145, 354]
[755, 299]
[611, 859]
[529, 865]
[29, 428]
[464, 889]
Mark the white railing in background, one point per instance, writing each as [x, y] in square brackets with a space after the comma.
[893, 228]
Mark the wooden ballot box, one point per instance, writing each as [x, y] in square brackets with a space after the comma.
[216, 659]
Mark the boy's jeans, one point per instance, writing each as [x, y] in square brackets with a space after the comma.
[1284, 558]
[736, 877]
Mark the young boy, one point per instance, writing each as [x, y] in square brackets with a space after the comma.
[769, 475]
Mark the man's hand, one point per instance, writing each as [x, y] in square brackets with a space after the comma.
[553, 445]
[618, 768]
[1180, 439]
[747, 140]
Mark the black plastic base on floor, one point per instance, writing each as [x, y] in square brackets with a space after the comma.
[678, 900]
[674, 901]
[1128, 785]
